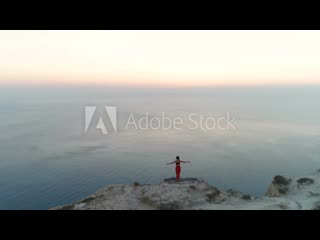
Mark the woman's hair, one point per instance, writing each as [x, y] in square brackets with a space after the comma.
[177, 157]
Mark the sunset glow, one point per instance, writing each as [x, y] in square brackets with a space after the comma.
[159, 58]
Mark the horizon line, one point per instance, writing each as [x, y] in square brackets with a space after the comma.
[157, 87]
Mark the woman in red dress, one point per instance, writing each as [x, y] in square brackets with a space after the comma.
[178, 167]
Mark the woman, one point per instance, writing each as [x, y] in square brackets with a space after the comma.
[178, 168]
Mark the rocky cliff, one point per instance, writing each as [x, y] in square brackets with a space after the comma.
[192, 193]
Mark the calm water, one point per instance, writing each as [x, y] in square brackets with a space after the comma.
[46, 158]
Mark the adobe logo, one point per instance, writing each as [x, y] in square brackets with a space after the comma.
[111, 113]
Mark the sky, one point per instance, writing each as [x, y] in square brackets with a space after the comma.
[159, 58]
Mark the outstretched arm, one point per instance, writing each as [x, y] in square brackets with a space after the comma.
[171, 162]
[184, 161]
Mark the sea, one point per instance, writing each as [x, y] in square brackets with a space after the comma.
[59, 144]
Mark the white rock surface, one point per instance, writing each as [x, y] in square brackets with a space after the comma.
[283, 194]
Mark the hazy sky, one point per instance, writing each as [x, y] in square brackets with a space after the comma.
[159, 58]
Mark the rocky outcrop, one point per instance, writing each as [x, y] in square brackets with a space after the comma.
[278, 187]
[305, 181]
[192, 193]
[188, 193]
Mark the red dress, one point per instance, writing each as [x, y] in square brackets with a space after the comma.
[178, 171]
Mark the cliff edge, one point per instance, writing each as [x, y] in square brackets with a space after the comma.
[284, 193]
